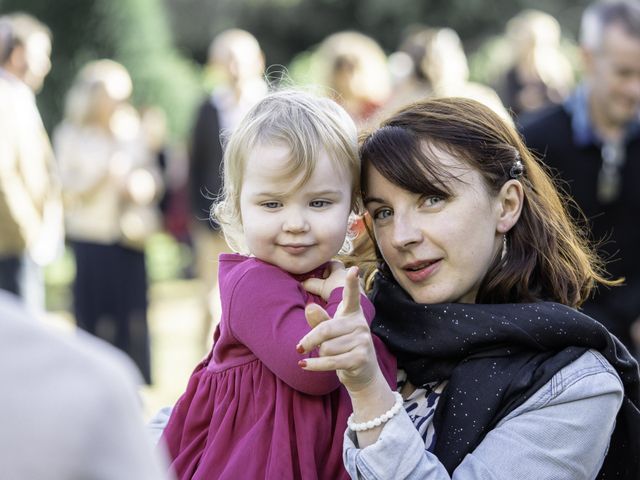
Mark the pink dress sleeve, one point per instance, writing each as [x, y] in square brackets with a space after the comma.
[266, 314]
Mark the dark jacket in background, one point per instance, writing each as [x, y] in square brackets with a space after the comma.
[550, 135]
[205, 168]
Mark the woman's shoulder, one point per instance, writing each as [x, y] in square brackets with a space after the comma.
[588, 364]
[588, 376]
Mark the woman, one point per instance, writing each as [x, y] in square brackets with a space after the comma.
[353, 67]
[111, 187]
[538, 73]
[480, 271]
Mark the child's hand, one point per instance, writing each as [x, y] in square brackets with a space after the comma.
[323, 287]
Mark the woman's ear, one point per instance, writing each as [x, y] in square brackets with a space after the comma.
[511, 199]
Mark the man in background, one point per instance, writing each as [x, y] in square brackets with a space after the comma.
[30, 205]
[593, 142]
[69, 407]
[237, 64]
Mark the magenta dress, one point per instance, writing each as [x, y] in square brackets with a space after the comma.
[249, 410]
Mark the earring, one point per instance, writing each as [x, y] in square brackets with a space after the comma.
[504, 247]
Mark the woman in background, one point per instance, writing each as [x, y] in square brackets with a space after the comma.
[110, 184]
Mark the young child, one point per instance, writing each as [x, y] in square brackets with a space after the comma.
[291, 173]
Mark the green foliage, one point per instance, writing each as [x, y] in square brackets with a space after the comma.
[133, 32]
[166, 258]
[137, 33]
[287, 27]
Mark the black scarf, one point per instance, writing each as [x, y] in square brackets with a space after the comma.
[494, 358]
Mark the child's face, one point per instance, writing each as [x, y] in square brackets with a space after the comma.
[296, 230]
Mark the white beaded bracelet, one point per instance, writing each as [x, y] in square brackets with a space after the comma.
[376, 422]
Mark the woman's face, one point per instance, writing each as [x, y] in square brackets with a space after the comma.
[103, 107]
[438, 249]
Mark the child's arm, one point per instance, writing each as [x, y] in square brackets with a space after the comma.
[267, 315]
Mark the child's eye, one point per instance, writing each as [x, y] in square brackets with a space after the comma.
[271, 205]
[382, 213]
[319, 203]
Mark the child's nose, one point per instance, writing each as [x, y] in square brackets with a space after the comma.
[295, 221]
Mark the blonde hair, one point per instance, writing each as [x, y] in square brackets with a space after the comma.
[305, 123]
[94, 79]
[364, 57]
[222, 45]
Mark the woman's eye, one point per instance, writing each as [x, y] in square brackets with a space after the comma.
[319, 203]
[432, 201]
[270, 204]
[382, 213]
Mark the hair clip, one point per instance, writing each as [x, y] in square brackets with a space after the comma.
[517, 169]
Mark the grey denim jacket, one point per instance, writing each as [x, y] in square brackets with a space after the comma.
[561, 432]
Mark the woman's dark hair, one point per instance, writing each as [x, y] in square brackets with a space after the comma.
[548, 256]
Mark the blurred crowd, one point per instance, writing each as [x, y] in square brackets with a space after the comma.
[110, 176]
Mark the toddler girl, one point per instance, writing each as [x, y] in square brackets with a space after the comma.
[291, 173]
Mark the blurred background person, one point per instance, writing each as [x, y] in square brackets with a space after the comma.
[237, 66]
[439, 69]
[539, 72]
[354, 69]
[407, 65]
[69, 407]
[30, 204]
[172, 163]
[593, 142]
[111, 185]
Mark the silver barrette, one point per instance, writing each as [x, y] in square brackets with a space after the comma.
[517, 169]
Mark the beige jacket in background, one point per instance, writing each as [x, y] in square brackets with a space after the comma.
[30, 200]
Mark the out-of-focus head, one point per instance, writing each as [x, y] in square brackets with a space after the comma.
[610, 40]
[439, 62]
[354, 67]
[438, 56]
[531, 29]
[25, 48]
[445, 181]
[236, 56]
[307, 125]
[98, 90]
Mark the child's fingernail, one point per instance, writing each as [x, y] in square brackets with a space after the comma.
[302, 363]
[299, 349]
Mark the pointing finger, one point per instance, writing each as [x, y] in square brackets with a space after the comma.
[351, 292]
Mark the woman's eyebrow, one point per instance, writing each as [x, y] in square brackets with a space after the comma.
[368, 200]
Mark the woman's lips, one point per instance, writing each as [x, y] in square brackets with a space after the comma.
[419, 272]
